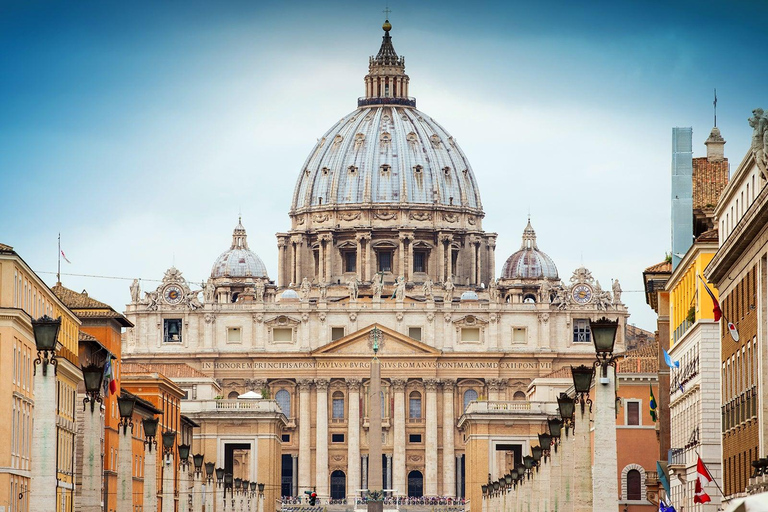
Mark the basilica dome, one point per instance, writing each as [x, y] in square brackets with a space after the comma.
[239, 261]
[386, 153]
[529, 262]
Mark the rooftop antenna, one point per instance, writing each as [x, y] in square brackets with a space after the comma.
[58, 267]
[715, 105]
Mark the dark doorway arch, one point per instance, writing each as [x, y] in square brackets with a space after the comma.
[415, 484]
[338, 485]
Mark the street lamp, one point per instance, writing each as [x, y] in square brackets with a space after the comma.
[219, 476]
[528, 462]
[537, 452]
[197, 459]
[582, 383]
[150, 431]
[604, 337]
[555, 430]
[566, 406]
[545, 441]
[125, 405]
[209, 471]
[93, 375]
[261, 488]
[46, 331]
[169, 437]
[184, 455]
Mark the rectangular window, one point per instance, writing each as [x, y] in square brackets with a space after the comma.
[337, 408]
[633, 412]
[233, 335]
[581, 332]
[337, 438]
[470, 334]
[337, 333]
[419, 261]
[385, 261]
[282, 335]
[172, 330]
[286, 438]
[415, 333]
[350, 261]
[519, 335]
[414, 438]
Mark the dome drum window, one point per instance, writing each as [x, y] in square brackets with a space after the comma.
[385, 169]
[352, 169]
[418, 169]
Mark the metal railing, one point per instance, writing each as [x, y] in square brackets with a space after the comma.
[408, 102]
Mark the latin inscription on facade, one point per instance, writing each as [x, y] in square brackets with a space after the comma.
[351, 365]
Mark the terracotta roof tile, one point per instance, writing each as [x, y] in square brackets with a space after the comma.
[84, 336]
[6, 248]
[664, 266]
[562, 373]
[86, 307]
[170, 370]
[709, 236]
[644, 359]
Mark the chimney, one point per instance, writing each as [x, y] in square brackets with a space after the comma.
[715, 146]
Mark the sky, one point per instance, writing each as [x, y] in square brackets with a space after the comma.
[139, 131]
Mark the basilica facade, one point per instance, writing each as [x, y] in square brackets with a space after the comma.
[385, 231]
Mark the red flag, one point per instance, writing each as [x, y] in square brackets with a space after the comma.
[716, 305]
[703, 477]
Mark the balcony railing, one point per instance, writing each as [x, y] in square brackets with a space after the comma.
[677, 457]
[408, 102]
[193, 406]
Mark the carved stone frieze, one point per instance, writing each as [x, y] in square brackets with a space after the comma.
[422, 216]
[349, 216]
[384, 215]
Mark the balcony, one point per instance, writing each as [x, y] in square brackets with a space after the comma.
[676, 457]
[406, 102]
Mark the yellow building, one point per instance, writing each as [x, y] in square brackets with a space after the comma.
[24, 297]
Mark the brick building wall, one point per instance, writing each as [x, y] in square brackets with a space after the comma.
[740, 368]
[709, 180]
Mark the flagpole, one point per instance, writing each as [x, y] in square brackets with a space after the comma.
[58, 267]
[710, 474]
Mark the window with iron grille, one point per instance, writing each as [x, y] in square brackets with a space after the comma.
[581, 332]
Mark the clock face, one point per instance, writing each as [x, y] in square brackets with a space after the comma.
[172, 294]
[582, 293]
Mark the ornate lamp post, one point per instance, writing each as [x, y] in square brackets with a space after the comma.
[604, 492]
[582, 383]
[43, 482]
[566, 406]
[93, 427]
[150, 464]
[125, 405]
[169, 440]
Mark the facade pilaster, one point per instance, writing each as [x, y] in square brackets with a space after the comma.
[353, 439]
[473, 261]
[430, 444]
[449, 458]
[321, 443]
[305, 425]
[398, 456]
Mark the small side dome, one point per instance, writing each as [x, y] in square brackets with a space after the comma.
[239, 261]
[469, 295]
[289, 294]
[529, 262]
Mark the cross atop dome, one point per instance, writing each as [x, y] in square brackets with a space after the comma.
[386, 82]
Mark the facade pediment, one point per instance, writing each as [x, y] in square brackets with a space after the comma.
[359, 342]
[282, 321]
[470, 321]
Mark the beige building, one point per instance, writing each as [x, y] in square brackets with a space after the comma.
[386, 230]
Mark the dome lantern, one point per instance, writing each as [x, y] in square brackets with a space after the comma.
[386, 82]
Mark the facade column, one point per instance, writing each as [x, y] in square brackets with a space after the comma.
[353, 439]
[389, 471]
[295, 474]
[401, 257]
[280, 262]
[150, 477]
[359, 258]
[398, 457]
[93, 430]
[441, 257]
[479, 267]
[449, 259]
[449, 455]
[305, 425]
[410, 259]
[321, 442]
[491, 259]
[320, 260]
[604, 494]
[430, 444]
[197, 491]
[42, 491]
[365, 273]
[473, 261]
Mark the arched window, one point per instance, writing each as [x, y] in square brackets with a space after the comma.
[233, 395]
[283, 398]
[519, 395]
[337, 411]
[634, 485]
[469, 395]
[414, 405]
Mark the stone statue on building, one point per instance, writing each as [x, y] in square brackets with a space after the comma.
[323, 290]
[759, 124]
[151, 299]
[192, 301]
[545, 292]
[259, 290]
[305, 289]
[209, 292]
[448, 288]
[616, 291]
[353, 289]
[493, 291]
[400, 289]
[135, 291]
[427, 289]
[377, 285]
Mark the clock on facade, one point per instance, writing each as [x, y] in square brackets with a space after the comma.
[582, 293]
[172, 294]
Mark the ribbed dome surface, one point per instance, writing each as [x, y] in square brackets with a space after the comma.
[529, 262]
[386, 154]
[239, 261]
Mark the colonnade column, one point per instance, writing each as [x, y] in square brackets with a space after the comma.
[430, 444]
[320, 260]
[410, 259]
[441, 257]
[479, 266]
[321, 443]
[449, 259]
[359, 258]
[473, 261]
[491, 258]
[398, 457]
[353, 439]
[280, 261]
[401, 257]
[305, 425]
[449, 459]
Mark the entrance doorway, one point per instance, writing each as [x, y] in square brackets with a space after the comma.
[286, 480]
[415, 484]
[338, 485]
